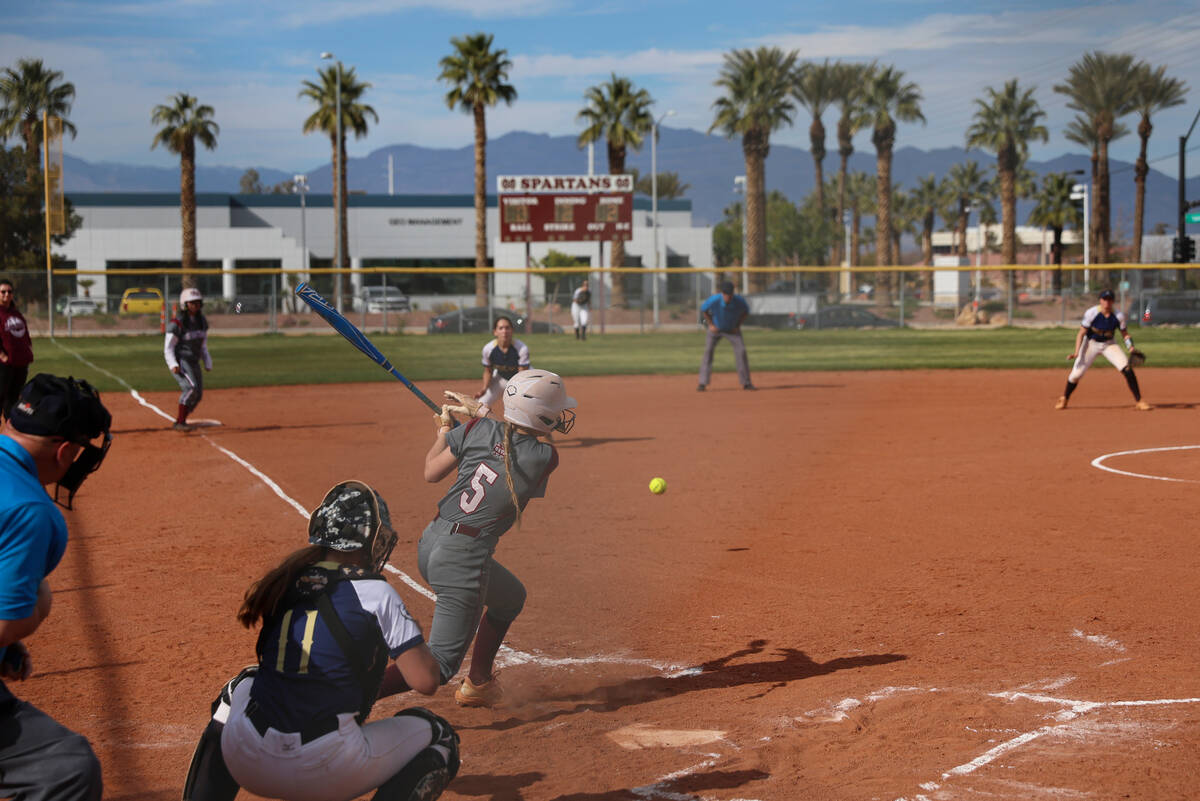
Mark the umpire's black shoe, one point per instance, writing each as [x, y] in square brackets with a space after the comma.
[749, 387]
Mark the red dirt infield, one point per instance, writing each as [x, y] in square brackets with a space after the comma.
[858, 585]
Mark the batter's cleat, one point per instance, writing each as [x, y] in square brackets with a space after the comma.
[488, 694]
[1061, 403]
[700, 387]
[1142, 406]
[749, 387]
[182, 427]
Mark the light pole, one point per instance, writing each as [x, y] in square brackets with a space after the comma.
[301, 184]
[337, 190]
[976, 207]
[1082, 192]
[654, 202]
[847, 282]
[739, 188]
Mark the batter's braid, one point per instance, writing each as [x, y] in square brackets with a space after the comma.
[508, 439]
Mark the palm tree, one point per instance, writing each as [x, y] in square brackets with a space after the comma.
[849, 80]
[860, 199]
[1005, 123]
[1055, 210]
[904, 218]
[619, 114]
[816, 88]
[25, 93]
[1153, 92]
[1102, 86]
[478, 77]
[354, 120]
[1082, 131]
[887, 100]
[969, 186]
[184, 122]
[757, 85]
[925, 199]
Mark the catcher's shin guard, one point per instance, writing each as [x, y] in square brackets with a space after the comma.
[208, 778]
[429, 772]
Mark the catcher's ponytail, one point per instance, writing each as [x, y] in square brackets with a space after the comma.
[264, 595]
[508, 439]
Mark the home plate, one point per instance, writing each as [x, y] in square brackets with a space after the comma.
[641, 735]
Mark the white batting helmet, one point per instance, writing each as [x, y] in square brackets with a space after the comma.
[538, 399]
[188, 295]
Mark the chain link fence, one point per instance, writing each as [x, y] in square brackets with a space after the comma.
[637, 300]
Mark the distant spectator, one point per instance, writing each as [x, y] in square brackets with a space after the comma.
[16, 348]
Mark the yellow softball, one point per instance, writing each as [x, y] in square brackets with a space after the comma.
[658, 485]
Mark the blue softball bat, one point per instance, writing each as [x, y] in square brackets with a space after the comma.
[356, 338]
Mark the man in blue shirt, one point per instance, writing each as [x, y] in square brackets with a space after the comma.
[47, 439]
[724, 313]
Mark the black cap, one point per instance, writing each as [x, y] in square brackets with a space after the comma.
[51, 406]
[727, 287]
[1107, 295]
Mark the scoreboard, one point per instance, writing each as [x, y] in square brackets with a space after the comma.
[560, 208]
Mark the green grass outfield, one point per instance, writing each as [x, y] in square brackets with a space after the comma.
[270, 360]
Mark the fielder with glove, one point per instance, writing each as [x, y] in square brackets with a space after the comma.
[1096, 336]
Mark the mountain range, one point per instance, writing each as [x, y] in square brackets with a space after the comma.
[707, 163]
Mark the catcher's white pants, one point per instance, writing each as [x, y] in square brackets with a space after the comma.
[341, 765]
[1093, 348]
[579, 315]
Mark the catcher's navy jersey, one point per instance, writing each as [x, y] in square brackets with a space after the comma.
[304, 675]
[506, 363]
[480, 495]
[1101, 328]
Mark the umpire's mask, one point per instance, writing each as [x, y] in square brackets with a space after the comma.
[354, 517]
[70, 409]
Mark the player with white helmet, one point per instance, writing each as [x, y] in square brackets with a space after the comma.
[499, 466]
[186, 347]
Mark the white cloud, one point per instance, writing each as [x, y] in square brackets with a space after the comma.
[322, 12]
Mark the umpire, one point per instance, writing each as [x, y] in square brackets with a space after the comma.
[46, 440]
[723, 315]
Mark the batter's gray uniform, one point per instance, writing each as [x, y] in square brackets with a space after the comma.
[455, 551]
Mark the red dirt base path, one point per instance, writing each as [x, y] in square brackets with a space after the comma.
[857, 586]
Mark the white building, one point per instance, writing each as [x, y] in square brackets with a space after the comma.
[233, 232]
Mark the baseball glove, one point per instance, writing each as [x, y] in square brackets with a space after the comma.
[1136, 358]
[468, 406]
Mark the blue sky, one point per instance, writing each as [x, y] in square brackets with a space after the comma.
[248, 58]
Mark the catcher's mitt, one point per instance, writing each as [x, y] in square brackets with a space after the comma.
[1136, 358]
[466, 405]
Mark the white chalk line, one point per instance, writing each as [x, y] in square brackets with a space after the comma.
[1098, 463]
[1073, 708]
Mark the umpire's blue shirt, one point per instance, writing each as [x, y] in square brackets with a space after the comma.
[33, 534]
[726, 316]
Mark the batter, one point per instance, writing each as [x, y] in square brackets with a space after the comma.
[499, 467]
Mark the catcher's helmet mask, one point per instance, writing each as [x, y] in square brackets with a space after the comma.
[538, 400]
[354, 517]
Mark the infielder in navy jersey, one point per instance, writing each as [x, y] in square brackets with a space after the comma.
[499, 467]
[185, 349]
[1097, 335]
[335, 637]
[503, 357]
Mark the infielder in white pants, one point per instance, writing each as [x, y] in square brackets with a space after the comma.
[580, 302]
[1096, 336]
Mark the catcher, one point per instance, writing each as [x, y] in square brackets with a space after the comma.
[335, 637]
[1096, 336]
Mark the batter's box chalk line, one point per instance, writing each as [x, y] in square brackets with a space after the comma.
[1099, 461]
[1067, 725]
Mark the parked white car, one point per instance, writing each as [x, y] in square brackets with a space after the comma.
[78, 307]
[377, 298]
